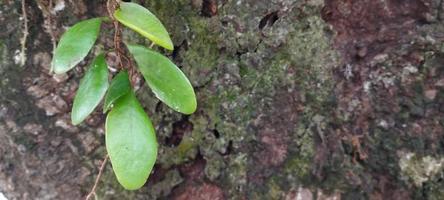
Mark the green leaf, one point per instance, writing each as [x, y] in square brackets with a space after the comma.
[75, 44]
[91, 90]
[120, 85]
[144, 22]
[131, 142]
[167, 81]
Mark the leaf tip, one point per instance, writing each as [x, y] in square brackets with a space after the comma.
[191, 109]
[75, 121]
[131, 186]
[55, 70]
[169, 46]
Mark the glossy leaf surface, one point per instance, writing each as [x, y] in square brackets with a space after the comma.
[120, 85]
[75, 44]
[91, 90]
[167, 81]
[144, 22]
[131, 142]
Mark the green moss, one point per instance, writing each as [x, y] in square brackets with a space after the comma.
[275, 191]
[239, 73]
[202, 58]
[108, 181]
[434, 191]
[4, 61]
[299, 166]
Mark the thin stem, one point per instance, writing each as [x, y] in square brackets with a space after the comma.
[102, 167]
[51, 31]
[25, 34]
[111, 6]
[117, 44]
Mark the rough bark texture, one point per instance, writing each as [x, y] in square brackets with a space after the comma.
[298, 99]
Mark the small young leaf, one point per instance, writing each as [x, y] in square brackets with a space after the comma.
[144, 22]
[91, 90]
[131, 142]
[167, 81]
[75, 44]
[120, 85]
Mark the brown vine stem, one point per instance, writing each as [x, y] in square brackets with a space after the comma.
[93, 189]
[111, 6]
[25, 34]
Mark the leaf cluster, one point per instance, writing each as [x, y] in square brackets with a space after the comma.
[130, 137]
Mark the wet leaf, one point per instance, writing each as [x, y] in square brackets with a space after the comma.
[167, 81]
[144, 22]
[120, 85]
[131, 142]
[91, 90]
[75, 44]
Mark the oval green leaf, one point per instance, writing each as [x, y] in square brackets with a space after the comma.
[167, 81]
[120, 85]
[141, 20]
[75, 44]
[91, 90]
[131, 142]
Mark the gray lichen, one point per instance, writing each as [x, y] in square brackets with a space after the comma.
[420, 169]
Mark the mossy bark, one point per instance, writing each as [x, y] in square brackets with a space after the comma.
[296, 100]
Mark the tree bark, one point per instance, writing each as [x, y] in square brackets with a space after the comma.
[310, 99]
